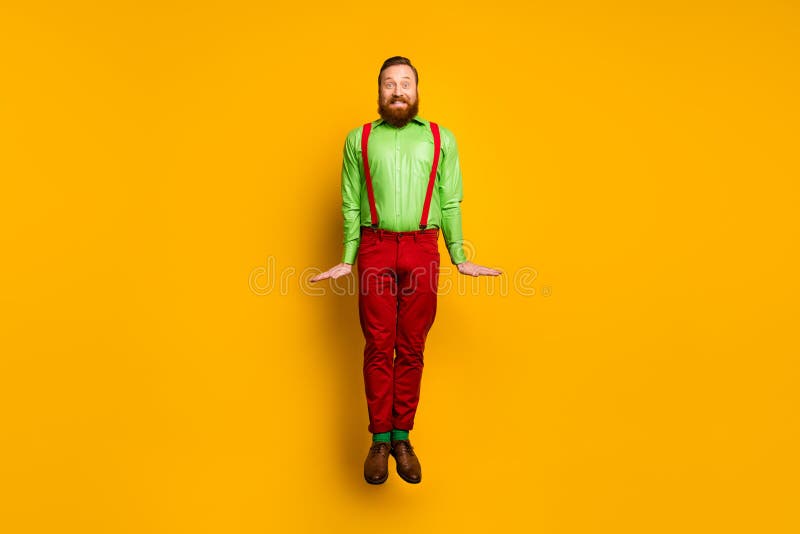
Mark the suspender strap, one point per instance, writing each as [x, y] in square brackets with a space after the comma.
[370, 193]
[437, 143]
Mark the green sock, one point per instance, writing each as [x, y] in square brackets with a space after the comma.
[381, 436]
[399, 434]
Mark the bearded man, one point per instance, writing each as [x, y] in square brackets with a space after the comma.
[401, 184]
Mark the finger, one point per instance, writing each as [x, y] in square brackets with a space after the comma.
[321, 276]
[489, 270]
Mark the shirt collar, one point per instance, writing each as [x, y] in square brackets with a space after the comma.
[416, 119]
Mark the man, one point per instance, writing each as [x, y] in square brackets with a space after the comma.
[401, 183]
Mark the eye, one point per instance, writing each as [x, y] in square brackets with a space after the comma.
[405, 85]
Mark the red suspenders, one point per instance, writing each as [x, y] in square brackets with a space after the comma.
[437, 143]
[370, 194]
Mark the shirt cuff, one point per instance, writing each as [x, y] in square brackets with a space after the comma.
[350, 251]
[457, 253]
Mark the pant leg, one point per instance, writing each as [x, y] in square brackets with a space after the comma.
[377, 307]
[418, 280]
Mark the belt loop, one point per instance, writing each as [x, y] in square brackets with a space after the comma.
[415, 237]
[379, 231]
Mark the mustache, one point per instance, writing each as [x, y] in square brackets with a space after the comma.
[398, 116]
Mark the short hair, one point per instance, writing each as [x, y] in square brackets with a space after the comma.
[397, 60]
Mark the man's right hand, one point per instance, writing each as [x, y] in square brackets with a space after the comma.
[334, 272]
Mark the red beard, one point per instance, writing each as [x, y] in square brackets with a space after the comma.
[398, 117]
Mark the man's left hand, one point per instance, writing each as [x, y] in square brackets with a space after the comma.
[473, 269]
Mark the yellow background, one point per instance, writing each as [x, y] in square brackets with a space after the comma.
[636, 162]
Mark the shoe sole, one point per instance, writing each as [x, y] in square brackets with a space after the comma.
[409, 480]
[376, 482]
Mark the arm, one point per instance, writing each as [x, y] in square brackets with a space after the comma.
[351, 199]
[351, 210]
[450, 197]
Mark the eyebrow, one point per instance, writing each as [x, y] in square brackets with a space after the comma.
[401, 77]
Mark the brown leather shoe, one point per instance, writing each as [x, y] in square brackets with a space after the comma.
[376, 466]
[407, 462]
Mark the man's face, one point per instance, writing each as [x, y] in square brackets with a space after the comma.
[397, 96]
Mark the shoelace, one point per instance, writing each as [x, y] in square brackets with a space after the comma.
[406, 446]
[377, 446]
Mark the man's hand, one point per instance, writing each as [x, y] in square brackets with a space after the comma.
[473, 269]
[335, 272]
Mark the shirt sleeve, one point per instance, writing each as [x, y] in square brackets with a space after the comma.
[351, 199]
[450, 196]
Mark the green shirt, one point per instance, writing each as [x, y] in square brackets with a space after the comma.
[400, 161]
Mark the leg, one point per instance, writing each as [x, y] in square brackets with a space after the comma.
[418, 279]
[377, 307]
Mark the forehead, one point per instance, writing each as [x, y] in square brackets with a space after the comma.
[397, 72]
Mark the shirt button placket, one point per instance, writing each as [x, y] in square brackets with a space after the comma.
[397, 179]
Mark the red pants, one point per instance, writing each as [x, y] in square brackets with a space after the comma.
[398, 283]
